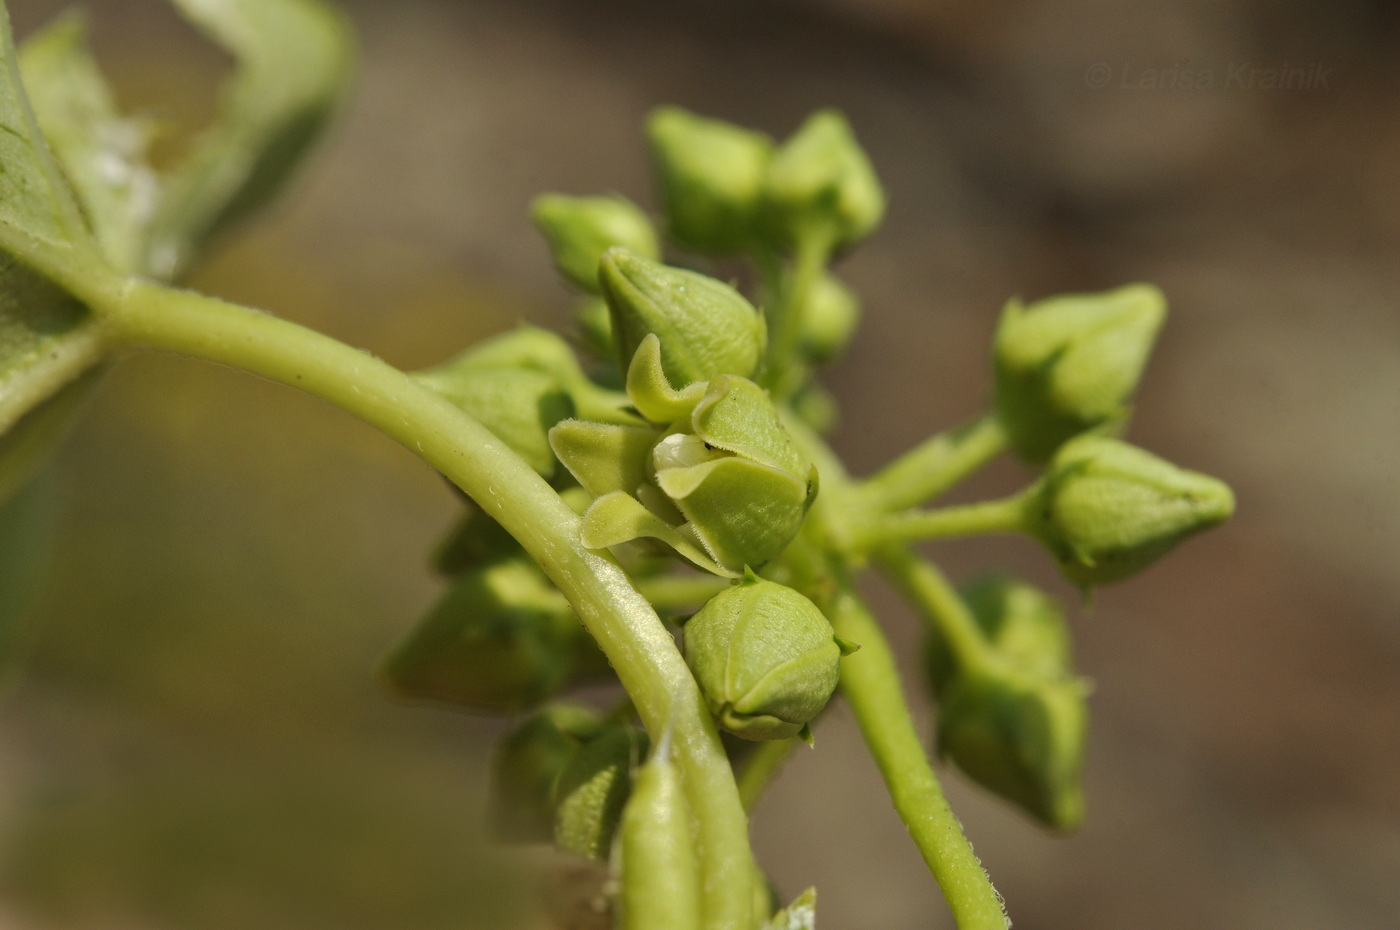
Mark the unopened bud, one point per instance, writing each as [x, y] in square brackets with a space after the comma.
[829, 319]
[1066, 365]
[706, 327]
[1024, 626]
[765, 657]
[1109, 509]
[711, 179]
[1021, 737]
[820, 182]
[500, 640]
[592, 791]
[580, 229]
[526, 766]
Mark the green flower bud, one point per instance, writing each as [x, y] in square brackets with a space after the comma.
[592, 791]
[581, 229]
[517, 384]
[706, 327]
[765, 658]
[1108, 509]
[820, 182]
[1069, 364]
[526, 766]
[476, 541]
[1024, 626]
[1021, 737]
[500, 640]
[829, 319]
[711, 176]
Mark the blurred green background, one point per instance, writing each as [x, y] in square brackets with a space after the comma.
[196, 740]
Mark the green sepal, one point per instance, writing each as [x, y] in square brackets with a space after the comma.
[744, 513]
[1108, 509]
[651, 391]
[592, 791]
[580, 229]
[619, 518]
[820, 183]
[603, 457]
[711, 177]
[526, 766]
[706, 327]
[847, 647]
[738, 416]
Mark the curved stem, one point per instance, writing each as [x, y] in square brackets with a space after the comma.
[935, 465]
[870, 684]
[624, 624]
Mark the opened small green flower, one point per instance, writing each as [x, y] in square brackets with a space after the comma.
[765, 658]
[723, 484]
[1108, 509]
[711, 176]
[580, 229]
[1069, 364]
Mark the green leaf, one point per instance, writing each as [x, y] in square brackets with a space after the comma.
[46, 337]
[103, 155]
[294, 61]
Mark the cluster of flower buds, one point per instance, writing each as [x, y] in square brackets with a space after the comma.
[1015, 719]
[728, 189]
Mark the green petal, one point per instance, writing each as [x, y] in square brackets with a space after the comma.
[738, 416]
[617, 518]
[744, 513]
[603, 457]
[651, 390]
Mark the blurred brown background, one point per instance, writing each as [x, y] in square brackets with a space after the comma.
[197, 740]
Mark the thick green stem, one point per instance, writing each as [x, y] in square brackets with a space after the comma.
[989, 517]
[935, 465]
[870, 684]
[925, 585]
[626, 627]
